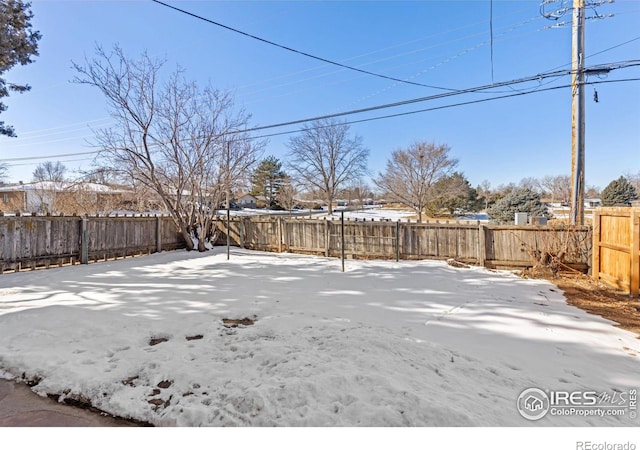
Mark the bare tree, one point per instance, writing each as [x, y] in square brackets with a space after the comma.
[634, 179]
[50, 171]
[411, 174]
[359, 191]
[50, 180]
[286, 195]
[558, 187]
[594, 191]
[183, 142]
[530, 183]
[323, 158]
[484, 189]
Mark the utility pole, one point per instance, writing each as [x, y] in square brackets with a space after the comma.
[550, 10]
[577, 114]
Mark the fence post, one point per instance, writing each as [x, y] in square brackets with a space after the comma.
[158, 234]
[84, 242]
[327, 238]
[242, 231]
[342, 236]
[482, 245]
[634, 285]
[595, 248]
[279, 221]
[397, 241]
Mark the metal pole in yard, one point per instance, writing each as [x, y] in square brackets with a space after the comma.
[228, 203]
[342, 236]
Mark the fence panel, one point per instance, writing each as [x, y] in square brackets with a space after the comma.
[115, 237]
[515, 246]
[616, 248]
[30, 242]
[363, 240]
[439, 241]
[39, 241]
[305, 236]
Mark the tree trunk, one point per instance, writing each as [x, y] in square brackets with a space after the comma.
[187, 239]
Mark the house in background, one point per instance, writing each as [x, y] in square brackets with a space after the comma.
[592, 202]
[247, 201]
[60, 197]
[552, 203]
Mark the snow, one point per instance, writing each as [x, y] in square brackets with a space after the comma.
[368, 213]
[410, 343]
[377, 213]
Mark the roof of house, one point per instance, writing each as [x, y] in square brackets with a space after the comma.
[246, 195]
[60, 186]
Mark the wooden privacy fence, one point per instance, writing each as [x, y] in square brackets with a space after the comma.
[29, 242]
[35, 241]
[486, 245]
[616, 248]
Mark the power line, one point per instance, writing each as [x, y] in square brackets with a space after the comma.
[435, 108]
[438, 96]
[370, 119]
[308, 55]
[413, 61]
[60, 155]
[47, 159]
[357, 111]
[432, 46]
[25, 135]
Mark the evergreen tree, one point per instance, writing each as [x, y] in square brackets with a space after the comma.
[619, 192]
[18, 43]
[454, 195]
[266, 180]
[517, 200]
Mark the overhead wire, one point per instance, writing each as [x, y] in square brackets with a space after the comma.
[402, 44]
[290, 49]
[434, 66]
[26, 135]
[37, 134]
[491, 34]
[435, 108]
[407, 102]
[390, 116]
[437, 96]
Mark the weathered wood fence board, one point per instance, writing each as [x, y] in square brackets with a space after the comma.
[616, 248]
[35, 241]
[488, 245]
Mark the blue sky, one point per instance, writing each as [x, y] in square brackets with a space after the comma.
[444, 44]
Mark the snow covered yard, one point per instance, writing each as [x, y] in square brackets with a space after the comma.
[383, 344]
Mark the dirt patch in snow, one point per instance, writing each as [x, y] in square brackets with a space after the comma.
[233, 323]
[157, 340]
